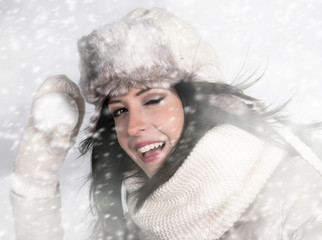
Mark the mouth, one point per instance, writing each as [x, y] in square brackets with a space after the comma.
[151, 152]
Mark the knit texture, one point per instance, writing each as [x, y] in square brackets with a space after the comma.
[211, 190]
[289, 207]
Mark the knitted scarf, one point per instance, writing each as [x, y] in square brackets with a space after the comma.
[211, 190]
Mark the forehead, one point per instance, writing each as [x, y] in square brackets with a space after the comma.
[136, 92]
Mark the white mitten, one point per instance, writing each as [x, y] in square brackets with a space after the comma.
[56, 116]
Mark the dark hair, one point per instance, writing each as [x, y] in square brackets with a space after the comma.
[206, 105]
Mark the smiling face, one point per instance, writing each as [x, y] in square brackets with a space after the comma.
[148, 124]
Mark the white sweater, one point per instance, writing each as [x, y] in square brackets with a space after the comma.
[288, 207]
[248, 189]
[234, 186]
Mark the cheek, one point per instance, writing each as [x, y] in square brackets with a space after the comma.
[120, 139]
[121, 136]
[171, 121]
[119, 129]
[177, 122]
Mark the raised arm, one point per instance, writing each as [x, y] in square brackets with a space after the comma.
[56, 116]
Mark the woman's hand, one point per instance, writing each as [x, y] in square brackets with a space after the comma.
[56, 116]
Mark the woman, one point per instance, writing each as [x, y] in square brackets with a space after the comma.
[196, 183]
[178, 154]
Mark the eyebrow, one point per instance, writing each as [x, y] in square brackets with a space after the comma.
[142, 91]
[137, 94]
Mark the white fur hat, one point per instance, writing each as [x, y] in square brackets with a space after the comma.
[145, 49]
[153, 48]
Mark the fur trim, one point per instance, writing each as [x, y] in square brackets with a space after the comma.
[145, 49]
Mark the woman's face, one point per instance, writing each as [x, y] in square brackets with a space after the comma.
[148, 125]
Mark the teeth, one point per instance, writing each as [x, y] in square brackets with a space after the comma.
[150, 147]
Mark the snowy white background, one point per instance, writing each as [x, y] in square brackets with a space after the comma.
[38, 39]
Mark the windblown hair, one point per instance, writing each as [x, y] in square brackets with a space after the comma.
[206, 105]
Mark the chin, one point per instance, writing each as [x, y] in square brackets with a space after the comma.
[152, 168]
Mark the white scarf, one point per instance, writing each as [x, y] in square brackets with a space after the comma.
[211, 190]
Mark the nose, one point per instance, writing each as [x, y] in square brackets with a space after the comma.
[136, 124]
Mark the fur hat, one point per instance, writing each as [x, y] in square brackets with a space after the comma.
[145, 49]
[155, 49]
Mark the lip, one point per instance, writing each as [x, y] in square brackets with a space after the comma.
[157, 154]
[142, 144]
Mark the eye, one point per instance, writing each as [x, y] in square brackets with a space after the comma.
[154, 101]
[119, 112]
